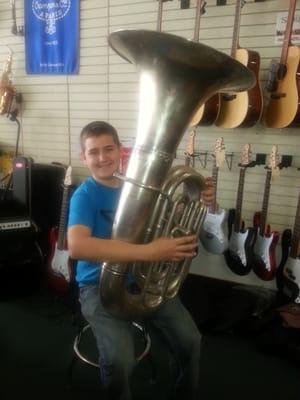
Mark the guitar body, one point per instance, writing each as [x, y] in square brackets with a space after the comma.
[263, 258]
[207, 114]
[284, 106]
[212, 235]
[242, 109]
[291, 279]
[58, 261]
[239, 251]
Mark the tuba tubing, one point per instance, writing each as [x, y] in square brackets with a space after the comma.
[176, 77]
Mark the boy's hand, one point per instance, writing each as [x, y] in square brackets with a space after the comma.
[208, 194]
[169, 249]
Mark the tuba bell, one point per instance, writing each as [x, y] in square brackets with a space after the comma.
[176, 77]
[7, 91]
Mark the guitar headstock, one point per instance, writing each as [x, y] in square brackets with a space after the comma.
[274, 160]
[246, 157]
[68, 176]
[190, 144]
[219, 151]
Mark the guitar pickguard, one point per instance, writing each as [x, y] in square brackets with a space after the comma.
[239, 250]
[261, 249]
[291, 274]
[212, 235]
[60, 263]
[237, 245]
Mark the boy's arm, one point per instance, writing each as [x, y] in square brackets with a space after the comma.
[83, 246]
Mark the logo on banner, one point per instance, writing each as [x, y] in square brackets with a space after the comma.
[50, 12]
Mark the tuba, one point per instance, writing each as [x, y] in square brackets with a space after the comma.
[7, 91]
[176, 77]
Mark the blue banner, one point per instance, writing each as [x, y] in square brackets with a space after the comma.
[52, 36]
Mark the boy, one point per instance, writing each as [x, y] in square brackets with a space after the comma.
[92, 210]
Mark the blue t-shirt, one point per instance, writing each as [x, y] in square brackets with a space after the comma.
[93, 205]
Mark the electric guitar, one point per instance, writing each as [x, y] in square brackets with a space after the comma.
[263, 256]
[240, 241]
[59, 264]
[283, 109]
[212, 235]
[242, 109]
[208, 112]
[291, 270]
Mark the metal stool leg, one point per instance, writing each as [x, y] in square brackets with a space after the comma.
[83, 358]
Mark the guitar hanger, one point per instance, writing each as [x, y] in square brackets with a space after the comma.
[16, 30]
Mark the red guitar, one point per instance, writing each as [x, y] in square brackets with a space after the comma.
[263, 257]
[59, 267]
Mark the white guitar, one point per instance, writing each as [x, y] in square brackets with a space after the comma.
[212, 235]
[241, 241]
[291, 270]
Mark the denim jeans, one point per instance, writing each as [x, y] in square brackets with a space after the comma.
[115, 344]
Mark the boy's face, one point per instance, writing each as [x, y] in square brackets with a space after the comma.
[102, 157]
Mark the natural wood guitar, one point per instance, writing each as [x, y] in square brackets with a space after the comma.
[208, 112]
[242, 109]
[283, 109]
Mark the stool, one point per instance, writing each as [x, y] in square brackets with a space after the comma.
[140, 329]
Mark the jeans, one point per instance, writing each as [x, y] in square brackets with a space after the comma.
[115, 344]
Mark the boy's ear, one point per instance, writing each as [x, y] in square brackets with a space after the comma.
[82, 157]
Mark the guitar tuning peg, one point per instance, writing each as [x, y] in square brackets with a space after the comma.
[286, 161]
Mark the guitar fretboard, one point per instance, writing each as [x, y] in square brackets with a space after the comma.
[288, 33]
[296, 233]
[215, 172]
[265, 205]
[236, 28]
[61, 238]
[239, 201]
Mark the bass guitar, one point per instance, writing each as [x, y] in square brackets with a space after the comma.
[212, 235]
[59, 263]
[263, 257]
[291, 270]
[283, 109]
[208, 112]
[242, 109]
[237, 256]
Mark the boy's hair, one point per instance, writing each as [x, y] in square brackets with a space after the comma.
[98, 128]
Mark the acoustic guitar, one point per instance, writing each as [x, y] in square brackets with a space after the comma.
[242, 109]
[241, 240]
[212, 235]
[283, 109]
[208, 112]
[59, 269]
[263, 255]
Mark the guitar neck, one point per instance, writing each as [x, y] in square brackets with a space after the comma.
[288, 32]
[197, 21]
[236, 28]
[239, 201]
[265, 204]
[61, 238]
[215, 173]
[159, 15]
[296, 233]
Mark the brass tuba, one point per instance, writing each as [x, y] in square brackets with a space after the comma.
[7, 91]
[177, 76]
